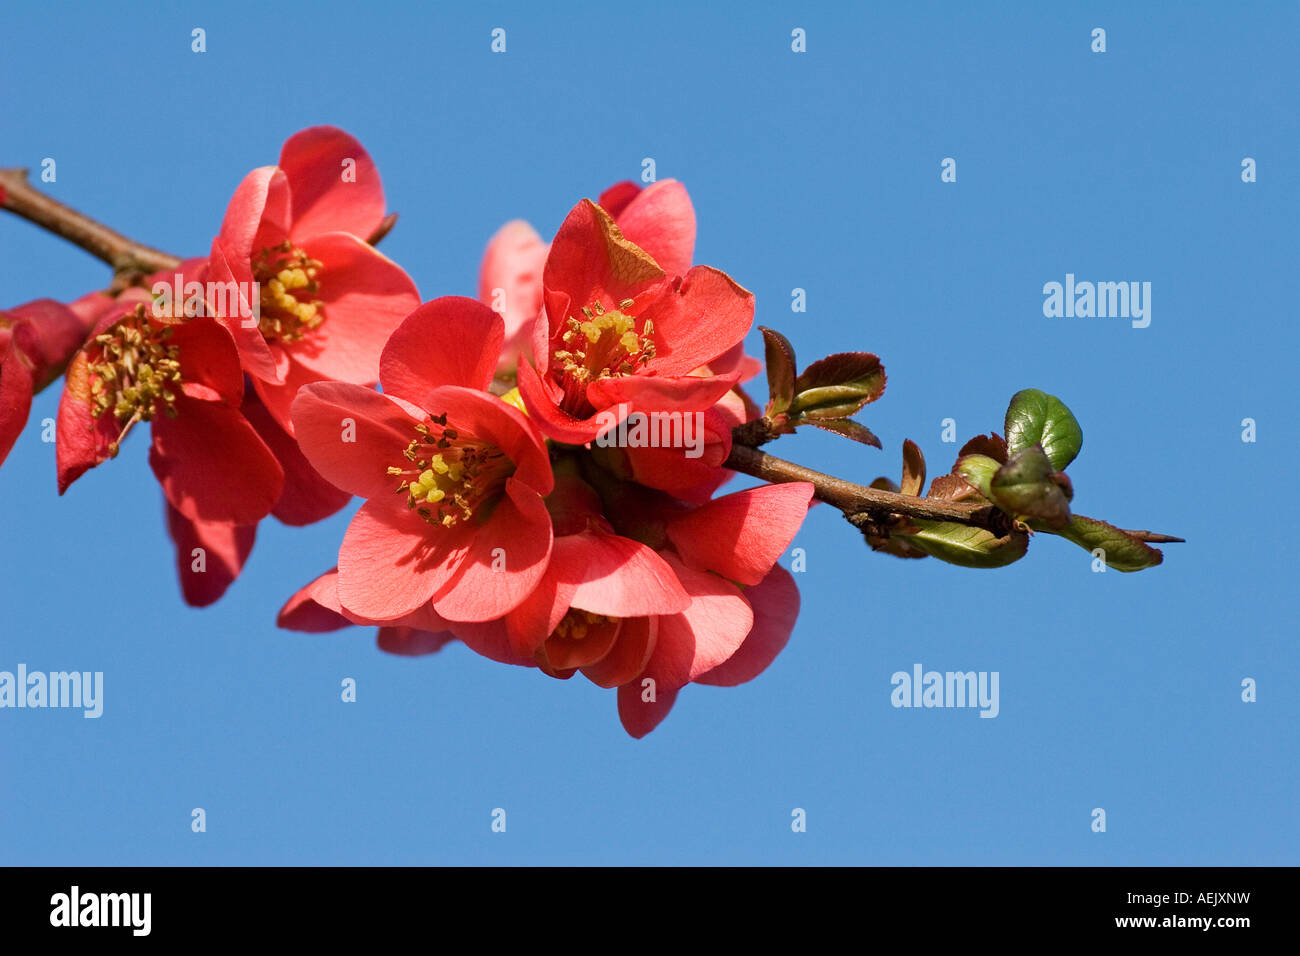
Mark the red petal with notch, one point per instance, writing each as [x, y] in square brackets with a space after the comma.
[314, 609]
[741, 535]
[709, 313]
[449, 341]
[331, 194]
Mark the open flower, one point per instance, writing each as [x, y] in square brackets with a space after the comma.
[311, 300]
[659, 219]
[148, 362]
[622, 335]
[453, 476]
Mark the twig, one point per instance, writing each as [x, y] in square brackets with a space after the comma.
[854, 499]
[123, 254]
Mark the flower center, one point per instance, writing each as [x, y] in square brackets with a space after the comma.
[604, 345]
[133, 370]
[577, 624]
[448, 477]
[289, 281]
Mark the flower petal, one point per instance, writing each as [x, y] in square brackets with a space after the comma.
[392, 561]
[411, 641]
[707, 315]
[314, 608]
[741, 535]
[591, 261]
[334, 183]
[234, 276]
[640, 716]
[659, 393]
[510, 282]
[307, 497]
[81, 441]
[616, 576]
[212, 465]
[350, 435]
[449, 341]
[704, 635]
[507, 556]
[209, 555]
[661, 220]
[258, 213]
[16, 383]
[208, 356]
[775, 601]
[365, 296]
[489, 638]
[615, 199]
[628, 658]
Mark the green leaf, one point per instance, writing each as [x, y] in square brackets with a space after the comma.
[978, 470]
[1026, 487]
[1121, 551]
[967, 546]
[780, 370]
[838, 385]
[1034, 417]
[847, 428]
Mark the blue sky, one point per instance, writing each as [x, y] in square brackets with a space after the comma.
[818, 171]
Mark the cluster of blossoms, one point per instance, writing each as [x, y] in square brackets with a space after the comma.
[493, 512]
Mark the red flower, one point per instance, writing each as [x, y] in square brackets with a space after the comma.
[453, 476]
[659, 219]
[621, 334]
[35, 341]
[325, 300]
[148, 362]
